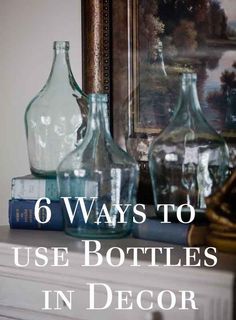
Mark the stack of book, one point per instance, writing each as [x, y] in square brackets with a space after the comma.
[25, 191]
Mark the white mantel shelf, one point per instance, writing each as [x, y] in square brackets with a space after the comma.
[21, 294]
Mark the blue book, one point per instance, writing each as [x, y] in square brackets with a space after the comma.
[174, 233]
[21, 215]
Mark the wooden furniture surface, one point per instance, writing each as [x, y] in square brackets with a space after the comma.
[21, 288]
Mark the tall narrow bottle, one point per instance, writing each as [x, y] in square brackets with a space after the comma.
[54, 120]
[188, 160]
[104, 175]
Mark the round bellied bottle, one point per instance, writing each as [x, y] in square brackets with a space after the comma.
[189, 160]
[104, 175]
[56, 118]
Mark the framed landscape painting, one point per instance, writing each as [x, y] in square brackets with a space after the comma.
[199, 35]
[196, 35]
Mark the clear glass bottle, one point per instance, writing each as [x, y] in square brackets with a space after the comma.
[98, 168]
[54, 120]
[188, 160]
[143, 127]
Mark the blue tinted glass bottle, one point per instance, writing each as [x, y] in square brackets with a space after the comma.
[189, 160]
[98, 169]
[56, 118]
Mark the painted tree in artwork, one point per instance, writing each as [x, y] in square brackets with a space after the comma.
[219, 99]
[150, 28]
[217, 20]
[184, 37]
[228, 80]
[201, 20]
[173, 11]
[208, 16]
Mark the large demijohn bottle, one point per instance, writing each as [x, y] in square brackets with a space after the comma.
[188, 160]
[98, 169]
[56, 117]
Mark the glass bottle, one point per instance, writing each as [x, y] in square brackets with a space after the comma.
[189, 159]
[54, 120]
[151, 103]
[98, 169]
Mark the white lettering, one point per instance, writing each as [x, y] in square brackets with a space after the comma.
[108, 293]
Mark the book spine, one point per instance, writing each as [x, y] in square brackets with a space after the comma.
[33, 189]
[21, 215]
[154, 230]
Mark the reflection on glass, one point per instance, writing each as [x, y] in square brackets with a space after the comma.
[188, 160]
[99, 169]
[54, 120]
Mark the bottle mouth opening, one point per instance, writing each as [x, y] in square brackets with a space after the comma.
[189, 76]
[98, 97]
[61, 45]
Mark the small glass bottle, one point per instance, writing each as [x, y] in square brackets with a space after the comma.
[98, 169]
[188, 161]
[54, 120]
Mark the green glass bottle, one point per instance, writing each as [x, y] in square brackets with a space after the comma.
[54, 120]
[98, 169]
[188, 161]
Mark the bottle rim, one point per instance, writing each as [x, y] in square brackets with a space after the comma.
[61, 45]
[189, 76]
[101, 97]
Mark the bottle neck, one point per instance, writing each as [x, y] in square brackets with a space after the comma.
[98, 123]
[61, 70]
[189, 106]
